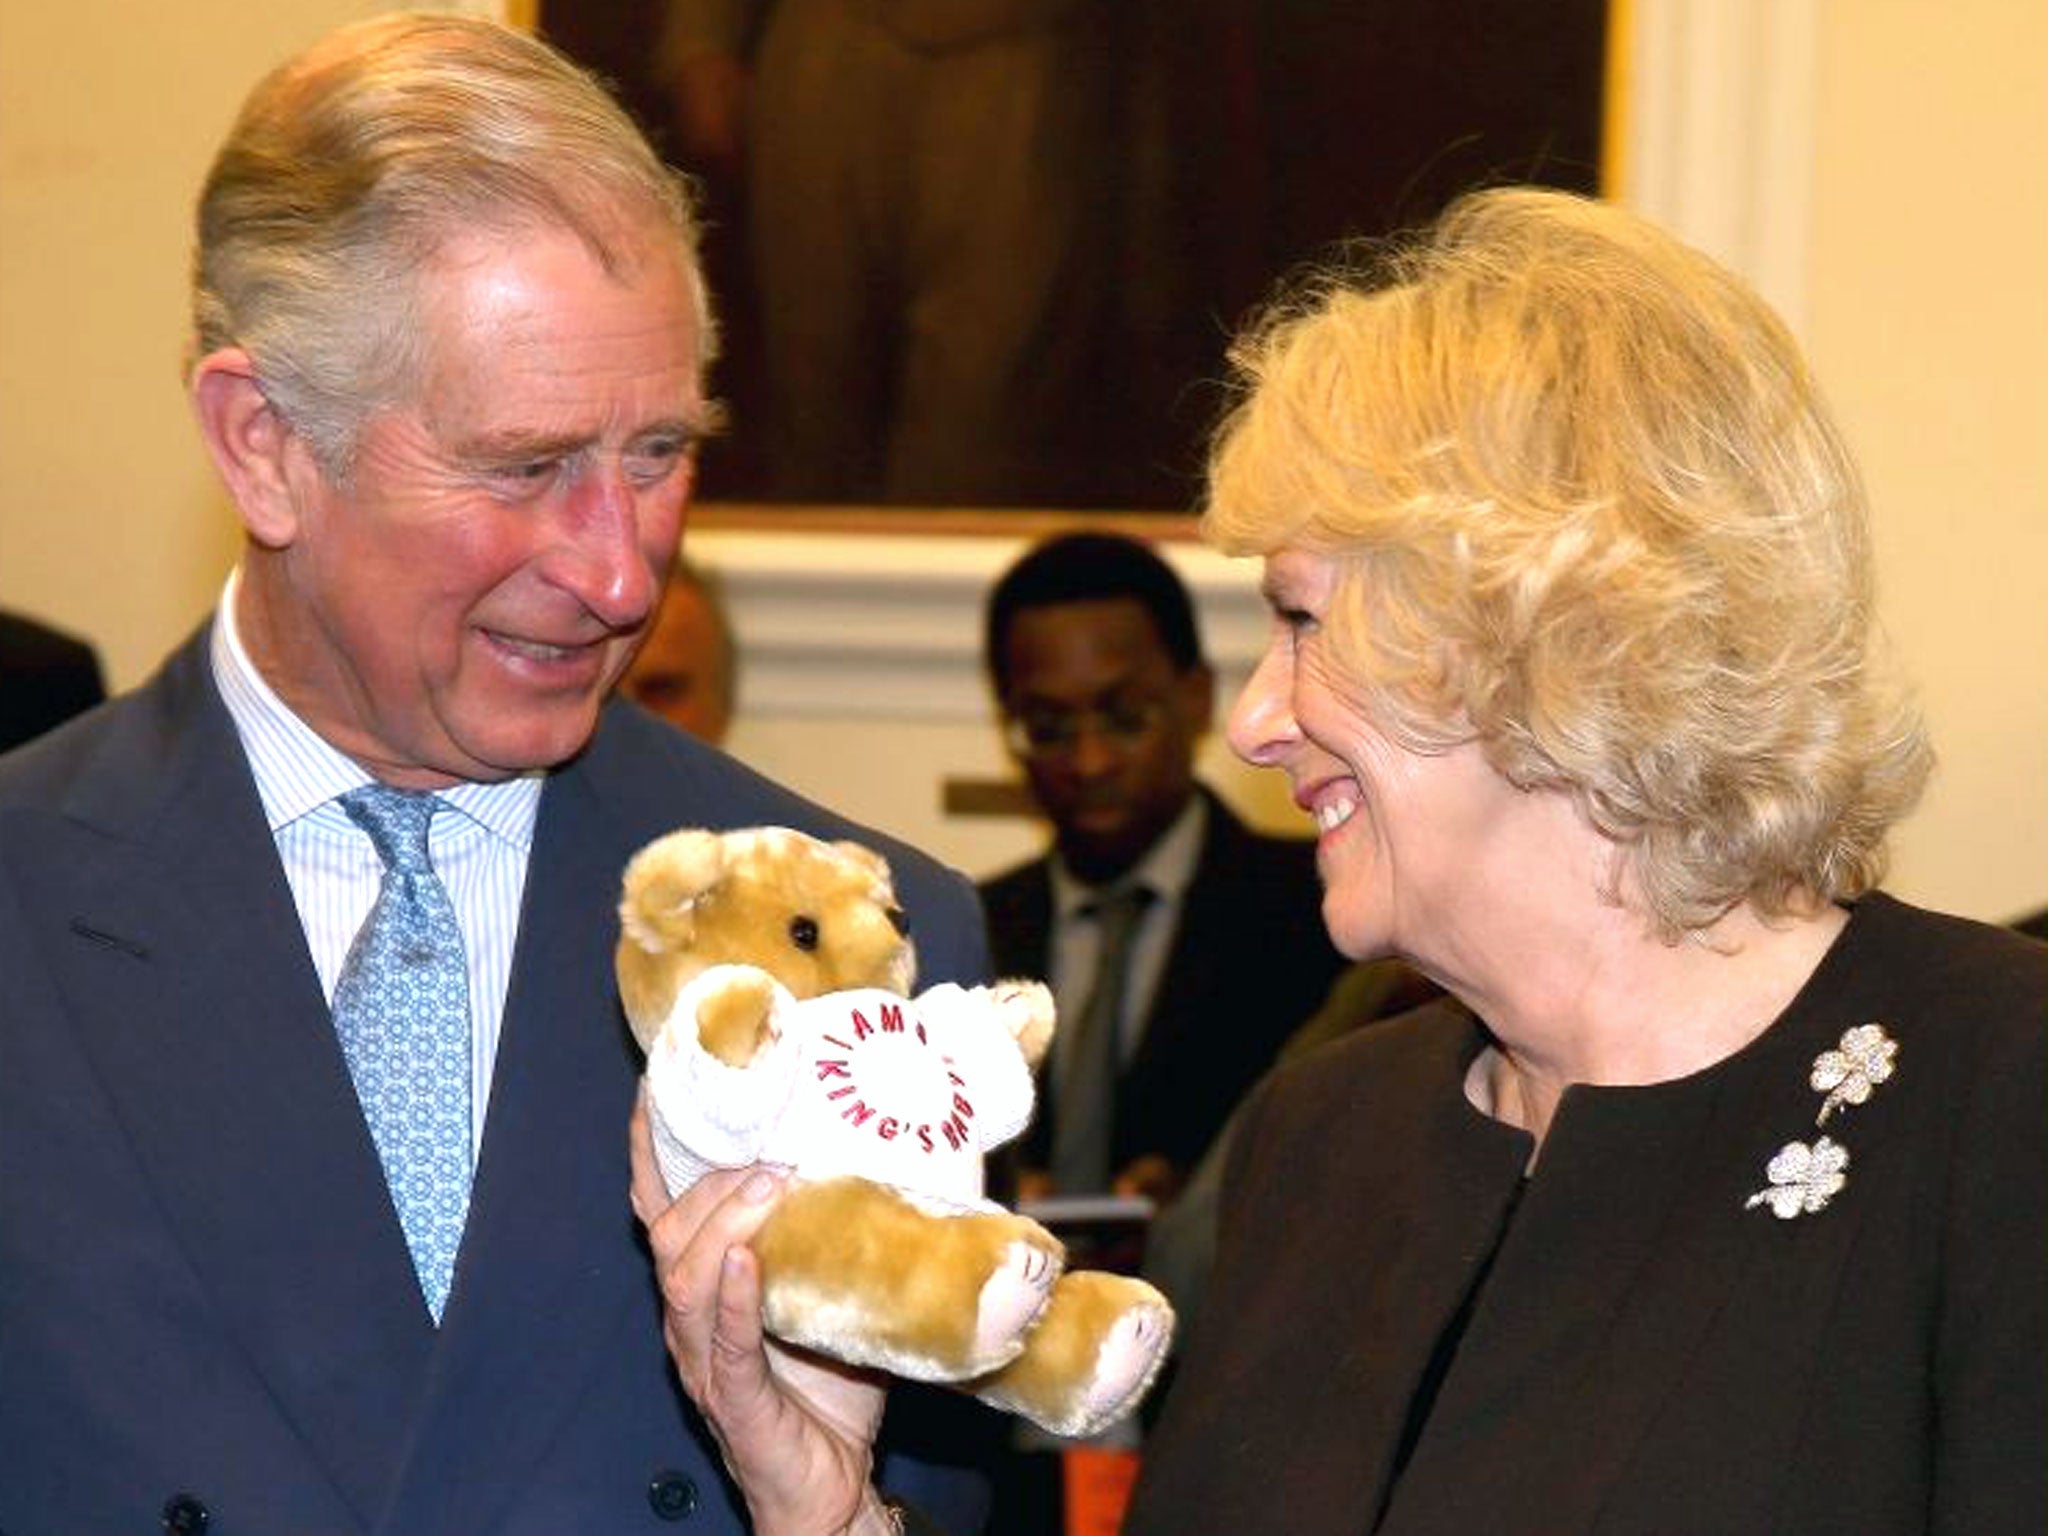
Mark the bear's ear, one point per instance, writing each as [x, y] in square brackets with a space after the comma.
[663, 885]
[866, 858]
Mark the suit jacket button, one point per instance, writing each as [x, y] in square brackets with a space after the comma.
[185, 1515]
[672, 1496]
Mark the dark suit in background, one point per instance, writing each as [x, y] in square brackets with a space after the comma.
[46, 677]
[204, 1290]
[1248, 962]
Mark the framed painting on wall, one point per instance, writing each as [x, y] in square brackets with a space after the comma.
[989, 253]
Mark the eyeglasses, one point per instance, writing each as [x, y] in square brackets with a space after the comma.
[1057, 732]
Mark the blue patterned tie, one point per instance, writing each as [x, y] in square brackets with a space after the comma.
[401, 1009]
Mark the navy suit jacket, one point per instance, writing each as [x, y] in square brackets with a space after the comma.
[1249, 961]
[203, 1286]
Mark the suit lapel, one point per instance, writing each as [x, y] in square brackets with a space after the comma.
[1019, 912]
[185, 966]
[544, 1283]
[1208, 934]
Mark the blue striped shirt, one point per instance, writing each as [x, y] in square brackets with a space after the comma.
[479, 851]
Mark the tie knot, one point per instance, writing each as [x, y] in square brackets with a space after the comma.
[1119, 908]
[396, 820]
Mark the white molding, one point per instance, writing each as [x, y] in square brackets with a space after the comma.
[1722, 105]
[888, 625]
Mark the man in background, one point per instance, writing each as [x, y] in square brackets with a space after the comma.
[687, 670]
[1182, 947]
[926, 199]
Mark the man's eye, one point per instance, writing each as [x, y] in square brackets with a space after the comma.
[527, 472]
[652, 462]
[1047, 730]
[1132, 717]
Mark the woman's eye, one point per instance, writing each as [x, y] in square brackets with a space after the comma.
[1295, 624]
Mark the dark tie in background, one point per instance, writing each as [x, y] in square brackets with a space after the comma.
[1084, 1092]
[401, 1010]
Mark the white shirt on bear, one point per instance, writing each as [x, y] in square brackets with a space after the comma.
[908, 1092]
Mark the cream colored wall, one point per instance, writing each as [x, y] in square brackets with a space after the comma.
[1929, 326]
[1927, 308]
[110, 521]
[109, 112]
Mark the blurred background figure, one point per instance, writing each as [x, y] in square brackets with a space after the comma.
[924, 191]
[987, 252]
[687, 672]
[1182, 947]
[46, 677]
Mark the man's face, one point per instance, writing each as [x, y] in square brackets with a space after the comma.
[1119, 726]
[459, 608]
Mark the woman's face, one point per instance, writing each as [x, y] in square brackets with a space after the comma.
[1408, 843]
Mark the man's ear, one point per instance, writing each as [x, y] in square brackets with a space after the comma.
[253, 447]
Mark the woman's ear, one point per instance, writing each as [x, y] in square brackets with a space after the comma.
[253, 447]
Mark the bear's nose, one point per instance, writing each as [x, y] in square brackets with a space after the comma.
[899, 920]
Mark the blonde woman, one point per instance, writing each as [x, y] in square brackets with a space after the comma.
[1712, 1199]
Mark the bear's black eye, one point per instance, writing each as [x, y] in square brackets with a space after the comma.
[803, 933]
[899, 921]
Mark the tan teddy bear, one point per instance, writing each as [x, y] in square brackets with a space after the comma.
[767, 976]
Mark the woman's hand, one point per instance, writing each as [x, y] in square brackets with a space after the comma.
[797, 1432]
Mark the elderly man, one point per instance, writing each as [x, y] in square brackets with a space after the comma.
[313, 1088]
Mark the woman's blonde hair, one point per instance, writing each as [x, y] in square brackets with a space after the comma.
[350, 165]
[1588, 509]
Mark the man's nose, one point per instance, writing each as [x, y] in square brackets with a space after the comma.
[603, 561]
[1096, 749]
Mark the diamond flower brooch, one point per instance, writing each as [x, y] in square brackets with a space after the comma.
[1848, 1073]
[1805, 1178]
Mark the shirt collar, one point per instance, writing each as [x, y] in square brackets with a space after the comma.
[297, 771]
[1167, 868]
